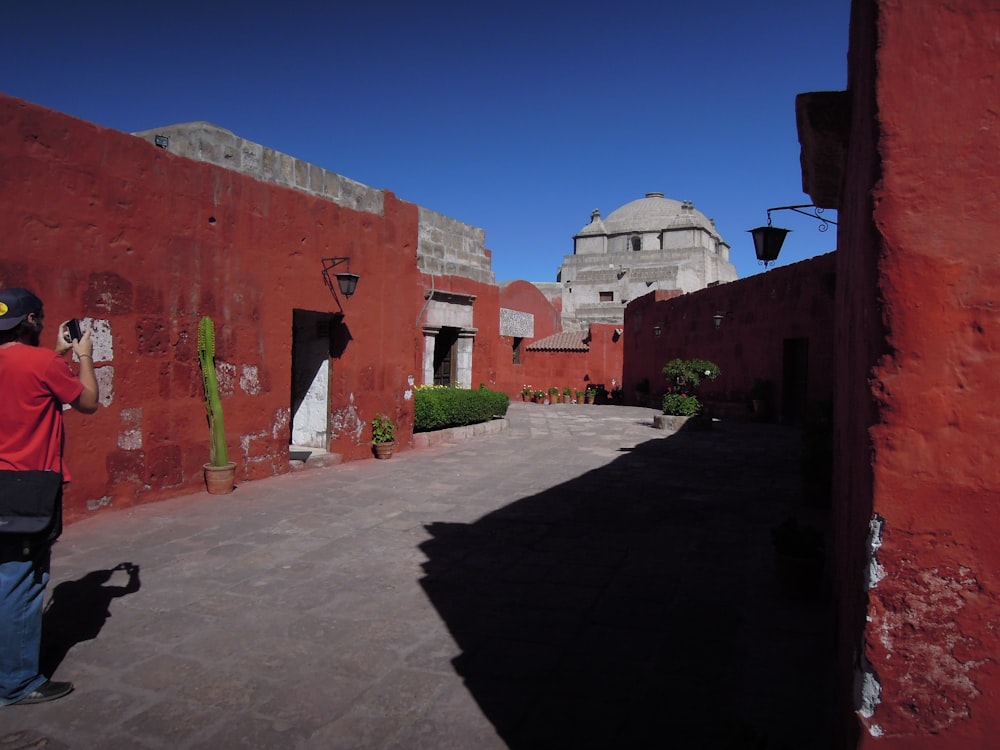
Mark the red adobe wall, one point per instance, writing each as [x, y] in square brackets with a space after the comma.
[487, 346]
[522, 296]
[542, 370]
[104, 225]
[918, 352]
[761, 312]
[601, 365]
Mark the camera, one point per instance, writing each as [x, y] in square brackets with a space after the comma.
[75, 334]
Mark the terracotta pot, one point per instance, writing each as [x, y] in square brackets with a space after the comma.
[220, 480]
[383, 450]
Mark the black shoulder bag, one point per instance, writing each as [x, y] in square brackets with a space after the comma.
[29, 502]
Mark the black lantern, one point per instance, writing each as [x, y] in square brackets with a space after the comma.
[347, 282]
[767, 242]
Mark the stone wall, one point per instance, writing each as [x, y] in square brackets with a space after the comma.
[206, 142]
[447, 247]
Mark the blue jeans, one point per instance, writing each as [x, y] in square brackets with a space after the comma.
[22, 588]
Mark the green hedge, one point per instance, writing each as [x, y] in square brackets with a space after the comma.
[438, 407]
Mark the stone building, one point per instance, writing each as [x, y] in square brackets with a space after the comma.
[650, 244]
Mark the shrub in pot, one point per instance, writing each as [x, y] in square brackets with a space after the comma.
[383, 436]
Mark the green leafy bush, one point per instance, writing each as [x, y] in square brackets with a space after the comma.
[681, 405]
[383, 429]
[438, 407]
[684, 376]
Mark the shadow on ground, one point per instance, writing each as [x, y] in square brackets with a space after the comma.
[635, 606]
[77, 610]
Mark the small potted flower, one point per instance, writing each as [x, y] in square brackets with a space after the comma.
[526, 393]
[591, 395]
[553, 395]
[581, 396]
[539, 397]
[383, 436]
[567, 395]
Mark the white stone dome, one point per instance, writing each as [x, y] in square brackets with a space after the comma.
[654, 213]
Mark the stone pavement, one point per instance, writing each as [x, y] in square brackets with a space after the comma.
[577, 580]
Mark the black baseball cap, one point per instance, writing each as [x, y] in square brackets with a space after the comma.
[16, 305]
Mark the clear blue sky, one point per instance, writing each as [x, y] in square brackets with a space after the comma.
[517, 117]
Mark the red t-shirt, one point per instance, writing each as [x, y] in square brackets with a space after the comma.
[35, 383]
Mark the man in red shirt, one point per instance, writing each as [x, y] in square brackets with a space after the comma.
[37, 383]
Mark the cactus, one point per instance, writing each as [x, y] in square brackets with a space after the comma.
[218, 454]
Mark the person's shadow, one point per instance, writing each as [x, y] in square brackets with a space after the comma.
[78, 610]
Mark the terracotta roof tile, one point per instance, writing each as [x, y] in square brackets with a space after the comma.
[567, 341]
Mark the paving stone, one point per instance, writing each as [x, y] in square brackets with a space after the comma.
[579, 579]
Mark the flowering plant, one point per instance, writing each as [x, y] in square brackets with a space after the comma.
[553, 391]
[684, 376]
[526, 391]
[383, 429]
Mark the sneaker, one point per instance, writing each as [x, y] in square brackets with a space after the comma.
[47, 691]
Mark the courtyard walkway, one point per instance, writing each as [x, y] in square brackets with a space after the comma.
[577, 580]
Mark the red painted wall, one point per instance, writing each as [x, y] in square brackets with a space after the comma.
[525, 297]
[487, 346]
[104, 225]
[761, 312]
[545, 369]
[601, 365]
[918, 356]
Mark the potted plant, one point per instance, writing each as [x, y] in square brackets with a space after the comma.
[553, 395]
[526, 393]
[383, 436]
[590, 395]
[539, 397]
[798, 555]
[567, 395]
[219, 471]
[684, 376]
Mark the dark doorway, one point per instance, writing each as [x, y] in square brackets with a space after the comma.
[316, 338]
[795, 381]
[445, 344]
